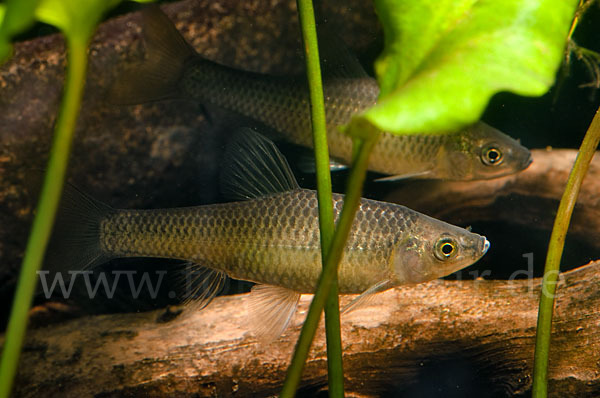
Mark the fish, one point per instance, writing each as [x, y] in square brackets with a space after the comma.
[269, 234]
[173, 69]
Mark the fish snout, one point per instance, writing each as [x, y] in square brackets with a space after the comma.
[527, 161]
[484, 245]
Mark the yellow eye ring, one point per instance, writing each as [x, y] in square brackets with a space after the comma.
[445, 248]
[491, 156]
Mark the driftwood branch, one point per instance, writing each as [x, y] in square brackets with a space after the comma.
[485, 326]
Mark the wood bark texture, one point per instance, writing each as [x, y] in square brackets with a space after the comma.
[400, 339]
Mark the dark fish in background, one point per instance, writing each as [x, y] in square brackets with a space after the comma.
[270, 237]
[173, 69]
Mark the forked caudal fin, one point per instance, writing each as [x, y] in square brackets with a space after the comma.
[167, 55]
[75, 242]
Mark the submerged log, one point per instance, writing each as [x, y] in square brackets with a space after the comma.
[409, 335]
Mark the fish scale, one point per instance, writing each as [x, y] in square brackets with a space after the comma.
[260, 240]
[283, 104]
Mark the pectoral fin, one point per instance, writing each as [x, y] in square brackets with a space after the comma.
[270, 309]
[408, 176]
[365, 297]
[306, 164]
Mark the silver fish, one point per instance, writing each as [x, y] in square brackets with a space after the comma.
[271, 237]
[174, 70]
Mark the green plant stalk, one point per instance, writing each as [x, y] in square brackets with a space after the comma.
[555, 249]
[351, 202]
[335, 372]
[46, 211]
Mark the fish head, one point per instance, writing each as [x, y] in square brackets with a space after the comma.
[437, 249]
[482, 152]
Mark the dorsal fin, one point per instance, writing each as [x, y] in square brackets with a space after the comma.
[254, 167]
[337, 61]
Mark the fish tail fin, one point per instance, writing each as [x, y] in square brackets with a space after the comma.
[158, 76]
[75, 243]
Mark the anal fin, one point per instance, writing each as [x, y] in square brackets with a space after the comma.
[271, 308]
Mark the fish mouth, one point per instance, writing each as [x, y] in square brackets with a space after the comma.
[484, 245]
[527, 161]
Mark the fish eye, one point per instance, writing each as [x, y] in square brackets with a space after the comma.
[445, 248]
[491, 156]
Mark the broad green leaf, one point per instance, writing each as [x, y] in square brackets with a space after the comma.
[5, 47]
[75, 18]
[15, 17]
[444, 59]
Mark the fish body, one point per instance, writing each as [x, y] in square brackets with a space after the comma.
[174, 69]
[270, 236]
[274, 240]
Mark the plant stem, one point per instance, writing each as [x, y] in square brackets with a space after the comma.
[555, 249]
[351, 202]
[326, 224]
[46, 211]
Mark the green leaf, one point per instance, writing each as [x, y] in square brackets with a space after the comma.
[5, 47]
[75, 18]
[15, 17]
[444, 59]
